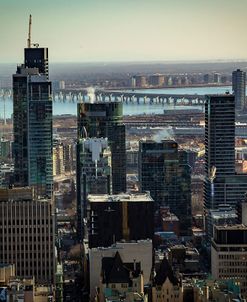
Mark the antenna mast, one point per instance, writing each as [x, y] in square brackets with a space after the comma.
[29, 32]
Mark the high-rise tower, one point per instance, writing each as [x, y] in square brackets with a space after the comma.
[101, 119]
[100, 130]
[238, 87]
[222, 185]
[33, 121]
[165, 172]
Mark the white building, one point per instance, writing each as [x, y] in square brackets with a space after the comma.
[139, 251]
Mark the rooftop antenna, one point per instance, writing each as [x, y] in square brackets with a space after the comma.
[29, 32]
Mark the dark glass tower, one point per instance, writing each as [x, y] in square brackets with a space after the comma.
[105, 120]
[219, 146]
[238, 87]
[33, 123]
[97, 121]
[165, 172]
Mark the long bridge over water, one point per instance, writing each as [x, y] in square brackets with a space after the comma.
[125, 96]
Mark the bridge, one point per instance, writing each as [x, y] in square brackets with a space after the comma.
[125, 96]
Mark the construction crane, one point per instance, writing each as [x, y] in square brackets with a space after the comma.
[29, 32]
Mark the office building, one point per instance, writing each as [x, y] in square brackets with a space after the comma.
[139, 252]
[223, 215]
[238, 88]
[112, 218]
[94, 173]
[32, 122]
[220, 134]
[27, 234]
[164, 171]
[229, 255]
[222, 184]
[97, 120]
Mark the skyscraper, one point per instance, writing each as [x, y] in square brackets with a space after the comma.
[32, 121]
[164, 171]
[238, 87]
[222, 185]
[100, 130]
[220, 134]
[99, 119]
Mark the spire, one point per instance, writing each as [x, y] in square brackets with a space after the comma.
[29, 32]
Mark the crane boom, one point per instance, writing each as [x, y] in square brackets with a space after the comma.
[29, 32]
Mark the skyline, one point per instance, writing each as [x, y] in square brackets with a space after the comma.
[113, 31]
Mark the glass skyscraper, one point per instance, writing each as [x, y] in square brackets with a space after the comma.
[239, 87]
[32, 121]
[165, 172]
[101, 131]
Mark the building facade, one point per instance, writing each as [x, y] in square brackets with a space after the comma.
[238, 87]
[32, 123]
[165, 172]
[222, 185]
[112, 218]
[129, 253]
[104, 119]
[229, 255]
[27, 233]
[94, 173]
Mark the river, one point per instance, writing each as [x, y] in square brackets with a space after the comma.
[128, 109]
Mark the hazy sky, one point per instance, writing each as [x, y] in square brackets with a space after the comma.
[126, 30]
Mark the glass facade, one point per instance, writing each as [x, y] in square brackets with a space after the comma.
[165, 172]
[32, 121]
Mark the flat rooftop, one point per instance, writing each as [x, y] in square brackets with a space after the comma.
[133, 197]
[231, 227]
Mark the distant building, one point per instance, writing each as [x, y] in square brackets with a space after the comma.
[156, 80]
[115, 217]
[27, 234]
[238, 87]
[229, 255]
[139, 81]
[206, 78]
[217, 78]
[69, 157]
[139, 252]
[5, 149]
[58, 160]
[164, 171]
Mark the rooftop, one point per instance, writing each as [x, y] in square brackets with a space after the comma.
[231, 227]
[129, 197]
